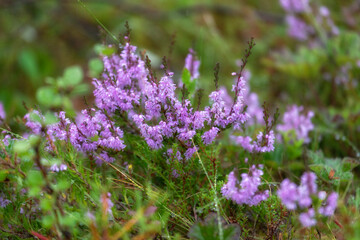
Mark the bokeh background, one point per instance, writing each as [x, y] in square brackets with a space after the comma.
[40, 38]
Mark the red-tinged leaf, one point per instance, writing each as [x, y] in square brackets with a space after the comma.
[331, 174]
[337, 223]
[38, 235]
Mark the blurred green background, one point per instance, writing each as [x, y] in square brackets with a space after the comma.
[40, 38]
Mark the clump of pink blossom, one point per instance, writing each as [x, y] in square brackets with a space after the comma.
[301, 197]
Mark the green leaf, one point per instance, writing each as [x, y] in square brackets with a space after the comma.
[34, 191]
[80, 89]
[3, 174]
[48, 96]
[46, 204]
[34, 140]
[28, 63]
[104, 50]
[68, 220]
[50, 118]
[63, 184]
[189, 83]
[26, 166]
[72, 76]
[48, 221]
[35, 179]
[21, 147]
[96, 67]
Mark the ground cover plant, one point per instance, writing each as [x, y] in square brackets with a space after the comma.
[138, 146]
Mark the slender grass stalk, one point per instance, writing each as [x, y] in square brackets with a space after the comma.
[217, 202]
[98, 21]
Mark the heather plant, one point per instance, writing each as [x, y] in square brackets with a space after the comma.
[302, 196]
[149, 154]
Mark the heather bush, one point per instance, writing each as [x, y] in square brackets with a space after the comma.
[137, 146]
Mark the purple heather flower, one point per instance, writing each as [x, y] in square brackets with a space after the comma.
[288, 194]
[59, 130]
[307, 219]
[245, 142]
[324, 19]
[324, 11]
[92, 131]
[103, 156]
[63, 167]
[342, 77]
[189, 153]
[329, 208]
[95, 130]
[166, 89]
[6, 138]
[292, 196]
[295, 5]
[322, 195]
[175, 174]
[56, 168]
[209, 136]
[263, 143]
[107, 203]
[34, 126]
[122, 81]
[200, 118]
[254, 109]
[90, 216]
[3, 201]
[295, 119]
[246, 191]
[250, 99]
[152, 105]
[192, 64]
[225, 96]
[177, 156]
[308, 180]
[2, 113]
[297, 28]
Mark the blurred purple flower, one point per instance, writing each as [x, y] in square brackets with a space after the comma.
[2, 113]
[292, 196]
[3, 201]
[329, 208]
[192, 64]
[246, 191]
[56, 168]
[295, 5]
[297, 28]
[295, 119]
[209, 136]
[32, 124]
[307, 219]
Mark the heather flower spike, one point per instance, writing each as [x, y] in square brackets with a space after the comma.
[295, 119]
[245, 191]
[298, 27]
[192, 64]
[2, 113]
[301, 197]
